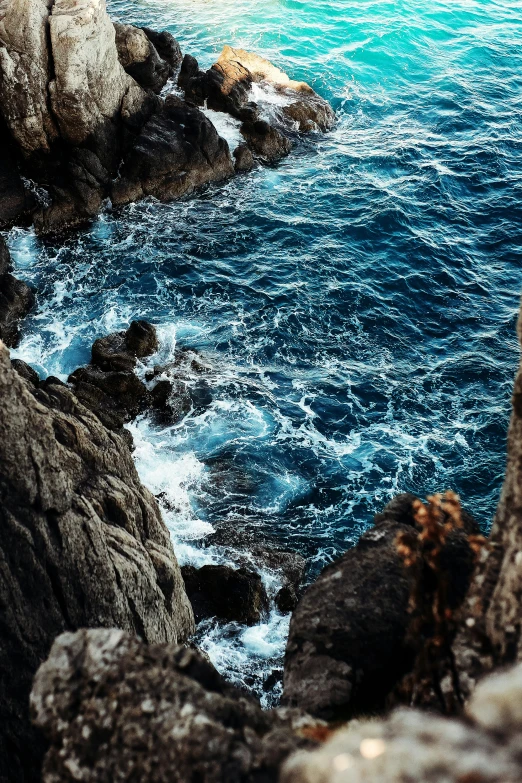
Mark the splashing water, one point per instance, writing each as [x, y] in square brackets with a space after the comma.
[356, 303]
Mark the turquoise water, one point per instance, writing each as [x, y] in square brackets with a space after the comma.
[357, 303]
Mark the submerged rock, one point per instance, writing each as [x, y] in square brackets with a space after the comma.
[114, 708]
[234, 595]
[82, 544]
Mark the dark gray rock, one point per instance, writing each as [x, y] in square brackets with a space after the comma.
[82, 543]
[265, 141]
[140, 58]
[348, 644]
[115, 397]
[113, 709]
[166, 46]
[119, 350]
[227, 593]
[244, 160]
[16, 300]
[177, 151]
[26, 372]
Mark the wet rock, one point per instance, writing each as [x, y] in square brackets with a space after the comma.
[286, 599]
[140, 58]
[16, 299]
[347, 646]
[166, 46]
[227, 593]
[113, 708]
[82, 544]
[305, 107]
[177, 151]
[115, 397]
[265, 141]
[119, 350]
[171, 401]
[244, 160]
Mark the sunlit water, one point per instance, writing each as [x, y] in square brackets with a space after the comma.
[357, 302]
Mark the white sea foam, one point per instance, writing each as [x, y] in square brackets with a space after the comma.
[226, 126]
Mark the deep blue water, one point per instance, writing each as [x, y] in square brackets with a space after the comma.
[357, 303]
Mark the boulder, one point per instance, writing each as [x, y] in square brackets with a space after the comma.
[166, 46]
[82, 544]
[234, 595]
[16, 299]
[265, 141]
[25, 73]
[244, 160]
[140, 58]
[177, 151]
[348, 643]
[119, 350]
[113, 708]
[304, 106]
[116, 397]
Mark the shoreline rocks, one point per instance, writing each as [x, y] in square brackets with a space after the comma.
[83, 544]
[84, 120]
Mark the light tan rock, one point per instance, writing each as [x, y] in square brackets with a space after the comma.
[24, 73]
[90, 87]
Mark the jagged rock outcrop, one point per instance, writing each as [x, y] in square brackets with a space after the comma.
[82, 544]
[16, 299]
[231, 594]
[490, 633]
[79, 99]
[141, 59]
[113, 708]
[348, 644]
[411, 745]
[177, 151]
[109, 386]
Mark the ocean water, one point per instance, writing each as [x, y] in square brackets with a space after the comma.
[356, 303]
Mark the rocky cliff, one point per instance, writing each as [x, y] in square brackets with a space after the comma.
[83, 121]
[82, 544]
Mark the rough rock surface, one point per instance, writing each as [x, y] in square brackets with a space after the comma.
[347, 645]
[177, 151]
[82, 544]
[16, 299]
[113, 709]
[409, 746]
[109, 386]
[140, 58]
[25, 74]
[490, 634]
[227, 593]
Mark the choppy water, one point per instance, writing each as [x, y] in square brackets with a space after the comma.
[357, 302]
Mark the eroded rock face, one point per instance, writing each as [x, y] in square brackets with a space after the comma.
[25, 74]
[140, 58]
[348, 646]
[16, 299]
[177, 151]
[82, 544]
[490, 634]
[113, 708]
